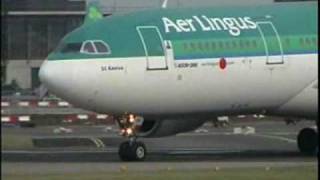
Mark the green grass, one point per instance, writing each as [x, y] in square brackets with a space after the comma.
[292, 173]
[16, 142]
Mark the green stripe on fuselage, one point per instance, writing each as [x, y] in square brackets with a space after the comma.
[235, 47]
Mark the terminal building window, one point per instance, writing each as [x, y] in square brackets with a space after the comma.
[17, 38]
[56, 31]
[34, 37]
[37, 38]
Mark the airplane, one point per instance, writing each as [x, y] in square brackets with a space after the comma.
[165, 71]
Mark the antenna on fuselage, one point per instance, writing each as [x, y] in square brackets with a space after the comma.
[164, 4]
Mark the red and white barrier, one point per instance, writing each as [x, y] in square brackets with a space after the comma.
[12, 119]
[83, 116]
[258, 116]
[24, 104]
[5, 104]
[71, 118]
[5, 119]
[101, 116]
[42, 104]
[63, 104]
[24, 119]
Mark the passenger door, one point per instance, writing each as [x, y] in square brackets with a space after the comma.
[153, 45]
[272, 43]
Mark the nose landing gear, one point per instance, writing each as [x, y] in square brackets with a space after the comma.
[131, 150]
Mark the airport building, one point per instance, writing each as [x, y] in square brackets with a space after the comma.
[31, 29]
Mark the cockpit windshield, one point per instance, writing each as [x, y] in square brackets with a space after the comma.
[93, 47]
[71, 48]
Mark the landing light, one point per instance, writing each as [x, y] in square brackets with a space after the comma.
[123, 131]
[131, 118]
[129, 131]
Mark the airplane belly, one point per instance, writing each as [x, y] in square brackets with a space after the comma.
[304, 104]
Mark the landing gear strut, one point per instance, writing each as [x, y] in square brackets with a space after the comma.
[131, 150]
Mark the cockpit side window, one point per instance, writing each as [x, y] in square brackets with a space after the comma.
[71, 48]
[102, 47]
[87, 47]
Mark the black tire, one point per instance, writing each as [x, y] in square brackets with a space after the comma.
[123, 151]
[307, 141]
[138, 151]
[134, 151]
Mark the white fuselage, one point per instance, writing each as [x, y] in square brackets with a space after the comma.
[246, 85]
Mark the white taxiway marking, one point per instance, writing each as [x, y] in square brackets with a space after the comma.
[98, 142]
[231, 133]
[276, 137]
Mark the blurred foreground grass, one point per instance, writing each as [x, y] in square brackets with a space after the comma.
[15, 142]
[283, 173]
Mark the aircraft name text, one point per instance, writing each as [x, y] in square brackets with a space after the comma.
[112, 68]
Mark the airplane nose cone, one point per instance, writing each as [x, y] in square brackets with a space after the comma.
[44, 73]
[56, 77]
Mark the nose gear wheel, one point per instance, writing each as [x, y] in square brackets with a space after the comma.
[131, 150]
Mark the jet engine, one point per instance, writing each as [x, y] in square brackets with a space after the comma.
[167, 127]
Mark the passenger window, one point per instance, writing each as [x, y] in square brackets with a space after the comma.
[227, 45]
[88, 47]
[192, 45]
[301, 42]
[71, 48]
[308, 42]
[314, 41]
[248, 44]
[254, 44]
[101, 47]
[213, 45]
[185, 46]
[241, 44]
[288, 41]
[207, 46]
[220, 44]
[234, 44]
[200, 46]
